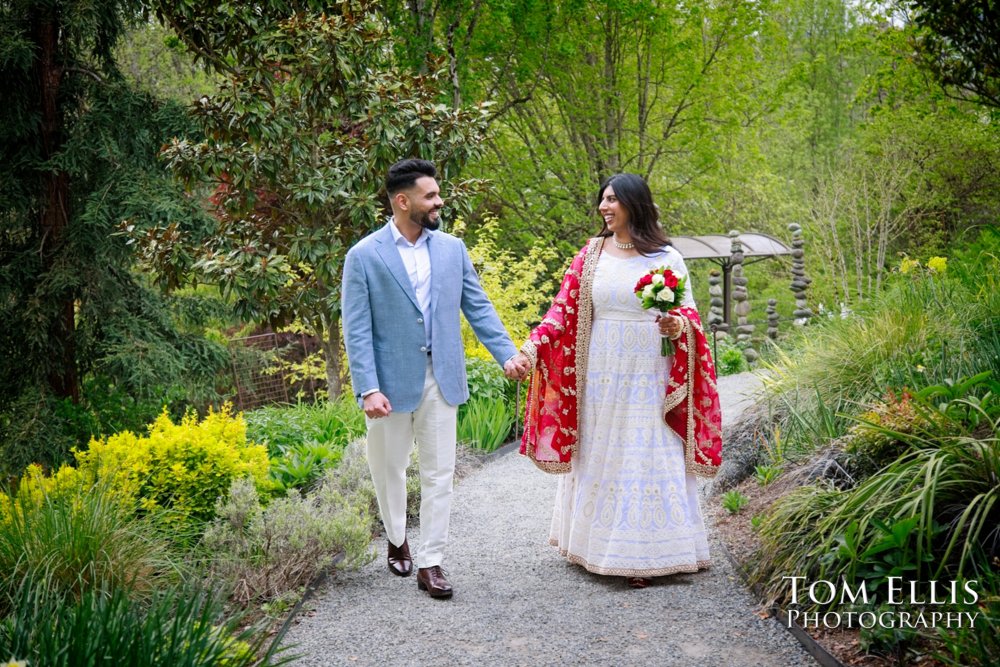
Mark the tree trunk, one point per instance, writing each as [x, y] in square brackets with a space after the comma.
[62, 376]
[423, 19]
[332, 350]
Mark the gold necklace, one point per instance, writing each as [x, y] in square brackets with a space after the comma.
[622, 246]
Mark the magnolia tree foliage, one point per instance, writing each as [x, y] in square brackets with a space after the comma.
[961, 45]
[312, 112]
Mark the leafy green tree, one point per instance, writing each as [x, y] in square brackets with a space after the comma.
[961, 45]
[312, 113]
[584, 89]
[78, 152]
[152, 57]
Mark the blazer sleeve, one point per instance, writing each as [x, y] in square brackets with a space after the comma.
[481, 314]
[357, 318]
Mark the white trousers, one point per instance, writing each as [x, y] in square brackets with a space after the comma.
[390, 439]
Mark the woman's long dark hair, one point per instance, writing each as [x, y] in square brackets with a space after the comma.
[643, 216]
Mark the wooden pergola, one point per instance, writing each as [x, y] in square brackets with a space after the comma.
[718, 248]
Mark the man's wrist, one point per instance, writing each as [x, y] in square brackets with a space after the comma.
[368, 393]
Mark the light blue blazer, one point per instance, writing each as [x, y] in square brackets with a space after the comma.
[383, 325]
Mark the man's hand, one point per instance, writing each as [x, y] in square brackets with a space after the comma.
[517, 367]
[377, 405]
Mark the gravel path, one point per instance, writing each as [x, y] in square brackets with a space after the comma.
[509, 584]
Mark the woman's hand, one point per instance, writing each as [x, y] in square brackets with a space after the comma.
[669, 325]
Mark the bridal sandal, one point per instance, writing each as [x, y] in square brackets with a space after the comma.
[638, 582]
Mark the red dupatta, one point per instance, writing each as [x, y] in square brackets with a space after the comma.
[558, 350]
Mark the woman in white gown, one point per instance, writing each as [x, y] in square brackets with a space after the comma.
[628, 505]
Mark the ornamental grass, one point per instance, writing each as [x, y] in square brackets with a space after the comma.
[79, 540]
[946, 489]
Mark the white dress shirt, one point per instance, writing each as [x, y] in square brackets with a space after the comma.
[417, 260]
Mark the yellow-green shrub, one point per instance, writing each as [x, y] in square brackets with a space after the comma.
[35, 486]
[180, 468]
[518, 287]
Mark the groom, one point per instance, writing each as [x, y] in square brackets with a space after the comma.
[403, 288]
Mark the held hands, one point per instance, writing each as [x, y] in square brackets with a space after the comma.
[517, 367]
[377, 405]
[669, 325]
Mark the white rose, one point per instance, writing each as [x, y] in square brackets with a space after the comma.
[666, 294]
[647, 292]
[657, 278]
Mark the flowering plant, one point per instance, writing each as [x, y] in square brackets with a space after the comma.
[663, 290]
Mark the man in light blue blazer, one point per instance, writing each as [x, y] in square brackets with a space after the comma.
[403, 289]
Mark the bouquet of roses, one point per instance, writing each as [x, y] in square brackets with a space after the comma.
[663, 290]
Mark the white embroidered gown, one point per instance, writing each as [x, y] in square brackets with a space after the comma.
[628, 508]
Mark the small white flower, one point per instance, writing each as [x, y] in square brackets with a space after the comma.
[657, 278]
[647, 292]
[666, 294]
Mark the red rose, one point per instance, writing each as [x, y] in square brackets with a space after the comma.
[645, 280]
[669, 279]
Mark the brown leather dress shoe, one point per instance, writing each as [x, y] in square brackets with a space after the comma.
[431, 579]
[400, 561]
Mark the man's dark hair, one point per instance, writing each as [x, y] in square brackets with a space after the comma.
[405, 173]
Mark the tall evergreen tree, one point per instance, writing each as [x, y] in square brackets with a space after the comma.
[77, 157]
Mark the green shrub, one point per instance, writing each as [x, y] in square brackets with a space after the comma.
[37, 428]
[484, 423]
[873, 442]
[730, 360]
[734, 501]
[282, 428]
[177, 627]
[175, 473]
[486, 379]
[887, 641]
[302, 465]
[266, 553]
[767, 473]
[978, 645]
[81, 539]
[972, 401]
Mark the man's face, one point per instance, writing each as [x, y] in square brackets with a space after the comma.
[425, 203]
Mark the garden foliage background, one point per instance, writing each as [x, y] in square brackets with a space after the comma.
[180, 174]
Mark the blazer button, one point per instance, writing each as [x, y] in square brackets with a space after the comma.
[423, 348]
[420, 320]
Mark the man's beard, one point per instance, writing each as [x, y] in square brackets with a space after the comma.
[426, 222]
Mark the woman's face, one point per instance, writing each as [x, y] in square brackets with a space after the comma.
[615, 215]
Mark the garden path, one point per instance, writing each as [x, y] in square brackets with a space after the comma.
[510, 585]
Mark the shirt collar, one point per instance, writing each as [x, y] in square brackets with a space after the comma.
[399, 239]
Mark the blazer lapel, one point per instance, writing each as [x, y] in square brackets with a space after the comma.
[386, 249]
[438, 264]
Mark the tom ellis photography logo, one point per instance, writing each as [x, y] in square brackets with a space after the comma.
[900, 603]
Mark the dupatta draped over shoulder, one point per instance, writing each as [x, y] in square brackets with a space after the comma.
[558, 348]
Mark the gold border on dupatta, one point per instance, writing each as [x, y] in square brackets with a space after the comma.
[585, 321]
[686, 393]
